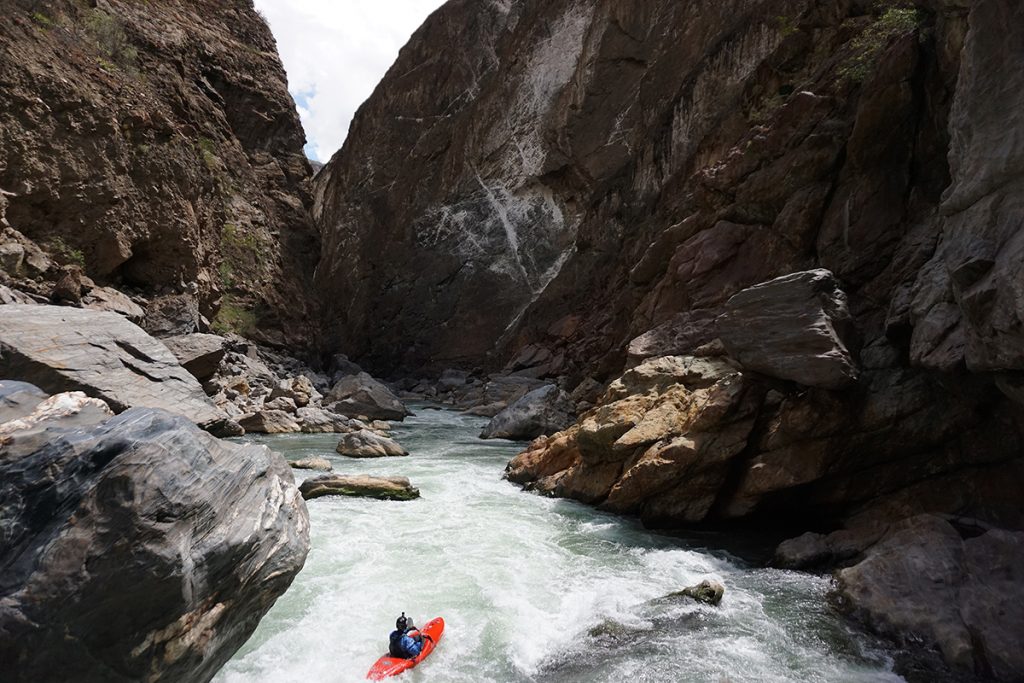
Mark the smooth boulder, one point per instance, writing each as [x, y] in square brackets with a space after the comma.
[67, 349]
[320, 464]
[361, 486]
[137, 548]
[365, 443]
[360, 395]
[270, 422]
[200, 354]
[797, 327]
[541, 412]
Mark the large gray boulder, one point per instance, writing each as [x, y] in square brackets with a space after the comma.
[364, 443]
[200, 354]
[69, 349]
[923, 583]
[541, 412]
[796, 327]
[136, 547]
[359, 486]
[360, 395]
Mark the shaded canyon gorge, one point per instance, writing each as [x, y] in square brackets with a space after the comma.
[730, 268]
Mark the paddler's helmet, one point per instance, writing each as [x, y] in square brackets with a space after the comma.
[402, 622]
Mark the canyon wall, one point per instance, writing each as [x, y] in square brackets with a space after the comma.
[153, 149]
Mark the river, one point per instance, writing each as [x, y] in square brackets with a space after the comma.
[531, 589]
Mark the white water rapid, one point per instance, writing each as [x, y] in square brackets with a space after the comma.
[532, 589]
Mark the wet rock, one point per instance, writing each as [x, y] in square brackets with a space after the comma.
[270, 422]
[709, 592]
[924, 583]
[59, 348]
[139, 545]
[368, 444]
[200, 354]
[541, 412]
[362, 395]
[320, 464]
[361, 486]
[796, 327]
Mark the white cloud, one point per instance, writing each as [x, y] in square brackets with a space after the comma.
[335, 53]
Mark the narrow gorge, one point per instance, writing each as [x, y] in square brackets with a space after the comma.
[731, 289]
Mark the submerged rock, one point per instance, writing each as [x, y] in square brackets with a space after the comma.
[59, 349]
[361, 486]
[137, 547]
[321, 464]
[541, 412]
[360, 395]
[365, 443]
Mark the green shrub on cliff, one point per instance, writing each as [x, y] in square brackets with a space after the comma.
[870, 44]
[108, 34]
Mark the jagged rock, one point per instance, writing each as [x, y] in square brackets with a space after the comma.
[299, 389]
[796, 327]
[362, 396]
[12, 296]
[321, 464]
[110, 299]
[139, 547]
[319, 421]
[707, 591]
[368, 444]
[59, 348]
[683, 334]
[282, 403]
[361, 486]
[200, 354]
[541, 412]
[658, 374]
[270, 422]
[924, 583]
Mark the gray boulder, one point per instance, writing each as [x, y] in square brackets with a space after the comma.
[361, 486]
[200, 354]
[270, 422]
[60, 349]
[681, 335]
[360, 395]
[707, 591]
[923, 583]
[321, 464]
[313, 420]
[796, 327]
[541, 412]
[137, 547]
[365, 443]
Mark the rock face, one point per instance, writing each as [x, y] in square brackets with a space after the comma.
[155, 147]
[541, 412]
[924, 583]
[66, 349]
[361, 395]
[136, 547]
[360, 486]
[795, 327]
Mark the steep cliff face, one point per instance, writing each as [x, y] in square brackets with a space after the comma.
[155, 146]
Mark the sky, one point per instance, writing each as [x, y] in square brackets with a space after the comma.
[335, 53]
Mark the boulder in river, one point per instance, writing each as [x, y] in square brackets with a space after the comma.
[365, 443]
[63, 349]
[707, 591]
[320, 464]
[270, 422]
[360, 395]
[541, 412]
[315, 420]
[925, 583]
[796, 327]
[136, 547]
[361, 486]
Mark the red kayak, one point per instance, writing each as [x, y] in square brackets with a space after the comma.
[388, 666]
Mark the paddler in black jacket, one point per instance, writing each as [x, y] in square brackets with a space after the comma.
[402, 645]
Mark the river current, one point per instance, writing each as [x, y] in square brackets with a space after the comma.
[531, 589]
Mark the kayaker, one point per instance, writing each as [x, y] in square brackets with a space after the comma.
[403, 645]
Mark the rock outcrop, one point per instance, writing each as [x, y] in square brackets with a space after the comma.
[135, 547]
[154, 148]
[541, 412]
[359, 486]
[67, 349]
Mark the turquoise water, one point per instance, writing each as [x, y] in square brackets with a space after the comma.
[532, 589]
